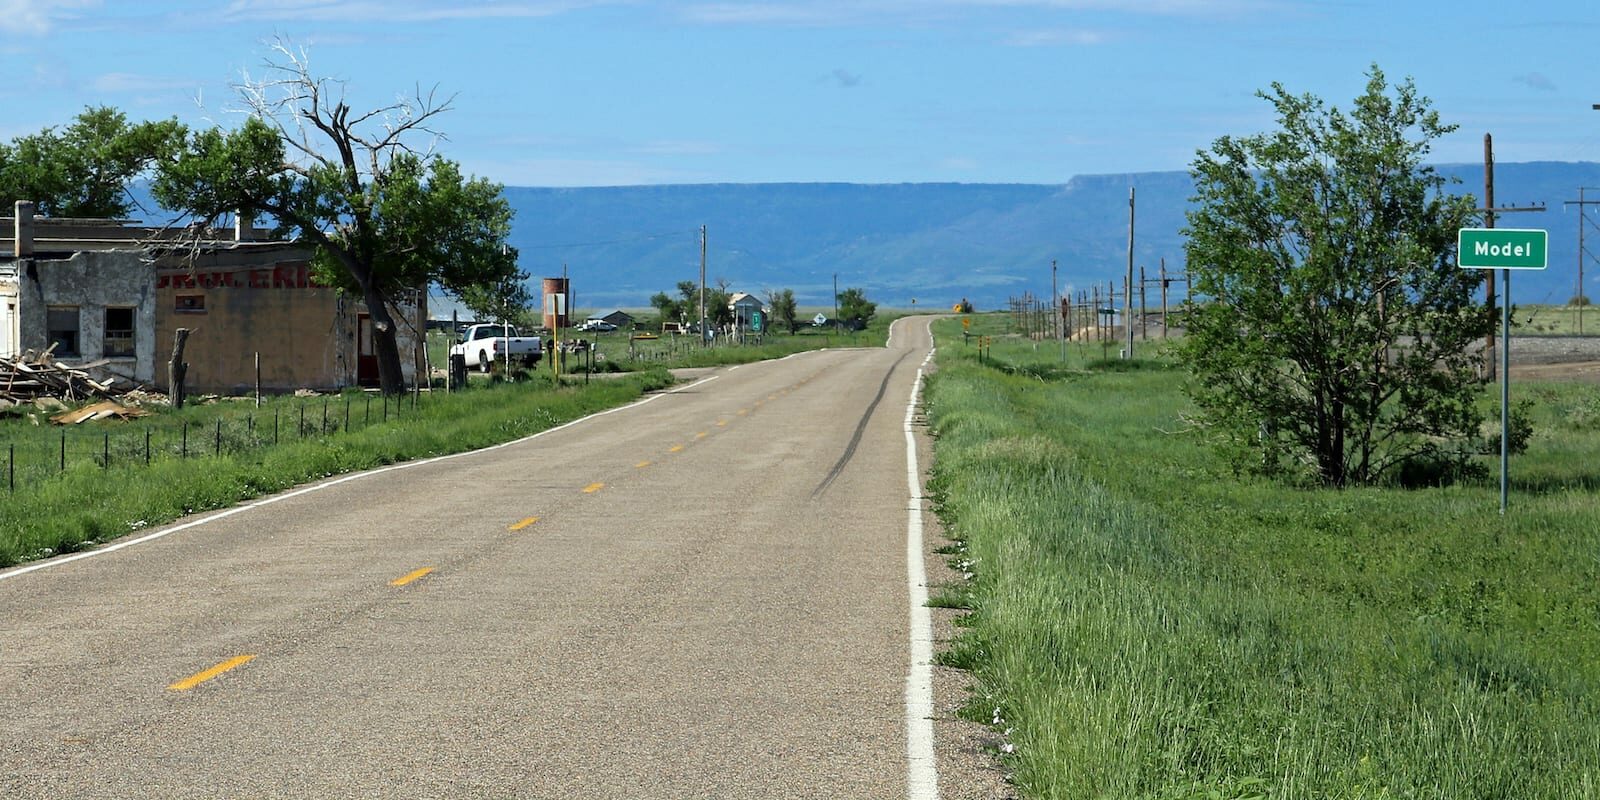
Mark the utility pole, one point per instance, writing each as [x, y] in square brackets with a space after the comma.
[1127, 295]
[1163, 297]
[836, 302]
[1582, 297]
[1489, 211]
[1144, 330]
[704, 339]
[1055, 310]
[1488, 275]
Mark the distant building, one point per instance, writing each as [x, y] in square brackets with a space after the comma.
[745, 307]
[622, 319]
[108, 291]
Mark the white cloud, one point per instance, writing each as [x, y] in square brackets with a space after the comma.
[130, 82]
[818, 13]
[404, 11]
[842, 78]
[678, 148]
[1536, 80]
[38, 17]
[1055, 38]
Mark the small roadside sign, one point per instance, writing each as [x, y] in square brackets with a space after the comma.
[966, 323]
[755, 321]
[819, 319]
[1502, 248]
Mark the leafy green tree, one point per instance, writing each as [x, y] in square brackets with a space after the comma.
[671, 310]
[1337, 334]
[687, 304]
[509, 300]
[855, 308]
[717, 299]
[84, 169]
[386, 218]
[783, 308]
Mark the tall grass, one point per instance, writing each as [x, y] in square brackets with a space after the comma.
[89, 503]
[1150, 625]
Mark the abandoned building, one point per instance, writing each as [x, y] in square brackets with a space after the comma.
[112, 294]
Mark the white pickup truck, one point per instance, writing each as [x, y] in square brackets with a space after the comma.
[486, 344]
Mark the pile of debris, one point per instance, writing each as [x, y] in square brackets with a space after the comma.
[34, 376]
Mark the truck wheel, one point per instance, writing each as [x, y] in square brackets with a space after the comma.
[485, 364]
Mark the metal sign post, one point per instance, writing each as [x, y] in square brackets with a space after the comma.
[1504, 249]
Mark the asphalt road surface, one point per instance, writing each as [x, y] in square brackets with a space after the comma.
[704, 595]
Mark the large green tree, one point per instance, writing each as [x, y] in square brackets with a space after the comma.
[783, 308]
[687, 303]
[83, 169]
[855, 308]
[1335, 336]
[677, 309]
[387, 215]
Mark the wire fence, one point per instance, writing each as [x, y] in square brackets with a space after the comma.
[33, 456]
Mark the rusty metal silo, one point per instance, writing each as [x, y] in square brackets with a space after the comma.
[556, 303]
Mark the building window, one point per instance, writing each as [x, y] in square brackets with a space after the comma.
[62, 324]
[190, 304]
[119, 332]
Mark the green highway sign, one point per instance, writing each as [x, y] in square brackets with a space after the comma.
[1502, 248]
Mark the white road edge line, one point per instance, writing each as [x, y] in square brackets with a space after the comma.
[922, 781]
[240, 509]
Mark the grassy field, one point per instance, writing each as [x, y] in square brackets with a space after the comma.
[212, 456]
[1148, 625]
[614, 352]
[1556, 320]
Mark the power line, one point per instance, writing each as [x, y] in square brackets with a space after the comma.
[647, 237]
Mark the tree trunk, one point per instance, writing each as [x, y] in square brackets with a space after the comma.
[177, 371]
[385, 344]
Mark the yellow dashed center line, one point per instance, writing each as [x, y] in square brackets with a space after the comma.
[201, 677]
[641, 465]
[593, 487]
[743, 411]
[722, 423]
[517, 526]
[410, 576]
[702, 434]
[677, 448]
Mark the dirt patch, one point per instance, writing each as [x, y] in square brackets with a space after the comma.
[1556, 358]
[1576, 372]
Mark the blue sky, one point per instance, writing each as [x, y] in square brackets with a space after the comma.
[614, 92]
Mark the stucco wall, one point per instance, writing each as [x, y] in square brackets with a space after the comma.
[297, 333]
[305, 334]
[92, 281]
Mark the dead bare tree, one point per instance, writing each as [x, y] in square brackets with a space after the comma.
[387, 214]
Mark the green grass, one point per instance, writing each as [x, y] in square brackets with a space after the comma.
[616, 354]
[1150, 625]
[55, 511]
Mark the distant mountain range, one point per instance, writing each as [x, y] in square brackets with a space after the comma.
[936, 242]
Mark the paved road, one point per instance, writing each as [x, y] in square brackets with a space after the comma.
[704, 595]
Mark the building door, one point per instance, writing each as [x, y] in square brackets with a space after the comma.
[8, 332]
[366, 357]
